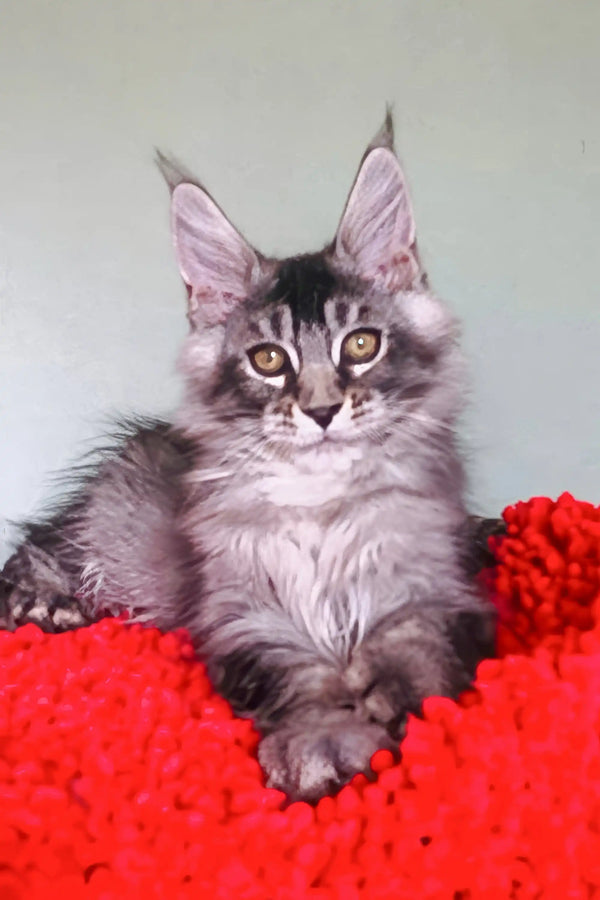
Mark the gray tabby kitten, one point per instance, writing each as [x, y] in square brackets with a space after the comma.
[304, 515]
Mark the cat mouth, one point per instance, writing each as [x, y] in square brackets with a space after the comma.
[329, 441]
[326, 442]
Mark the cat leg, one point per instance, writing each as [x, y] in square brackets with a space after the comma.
[419, 653]
[34, 587]
[313, 739]
[324, 724]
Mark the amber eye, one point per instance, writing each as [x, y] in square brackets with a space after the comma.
[360, 346]
[269, 359]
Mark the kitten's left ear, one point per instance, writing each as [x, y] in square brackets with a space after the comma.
[376, 236]
[217, 264]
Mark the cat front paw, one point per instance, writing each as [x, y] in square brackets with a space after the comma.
[35, 589]
[52, 613]
[311, 761]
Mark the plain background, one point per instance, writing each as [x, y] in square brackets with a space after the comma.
[271, 104]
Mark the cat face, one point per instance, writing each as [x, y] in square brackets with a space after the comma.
[323, 359]
[345, 347]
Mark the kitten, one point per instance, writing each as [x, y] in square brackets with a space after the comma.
[304, 516]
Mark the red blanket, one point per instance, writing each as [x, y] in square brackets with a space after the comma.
[123, 775]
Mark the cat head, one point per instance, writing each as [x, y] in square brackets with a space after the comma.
[342, 347]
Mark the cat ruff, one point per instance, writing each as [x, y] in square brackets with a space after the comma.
[122, 775]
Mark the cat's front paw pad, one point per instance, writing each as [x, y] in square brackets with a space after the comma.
[308, 764]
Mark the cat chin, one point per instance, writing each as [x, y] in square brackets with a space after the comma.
[325, 461]
[327, 445]
[335, 456]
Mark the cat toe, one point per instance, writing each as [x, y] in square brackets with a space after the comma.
[52, 614]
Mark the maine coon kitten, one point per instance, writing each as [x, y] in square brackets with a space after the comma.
[304, 515]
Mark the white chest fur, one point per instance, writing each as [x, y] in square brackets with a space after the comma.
[322, 576]
[326, 575]
[314, 554]
[323, 475]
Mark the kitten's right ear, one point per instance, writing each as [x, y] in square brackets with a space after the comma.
[216, 263]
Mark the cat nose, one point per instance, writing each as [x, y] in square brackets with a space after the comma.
[323, 414]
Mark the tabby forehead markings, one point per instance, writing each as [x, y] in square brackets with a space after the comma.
[341, 313]
[275, 323]
[304, 284]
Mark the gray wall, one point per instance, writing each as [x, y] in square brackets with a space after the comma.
[272, 103]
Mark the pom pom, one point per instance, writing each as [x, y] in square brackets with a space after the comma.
[123, 774]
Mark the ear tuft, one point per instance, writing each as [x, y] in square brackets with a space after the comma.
[385, 135]
[217, 264]
[173, 171]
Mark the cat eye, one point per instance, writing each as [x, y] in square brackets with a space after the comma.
[360, 346]
[269, 359]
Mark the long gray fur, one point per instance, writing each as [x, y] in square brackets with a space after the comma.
[319, 569]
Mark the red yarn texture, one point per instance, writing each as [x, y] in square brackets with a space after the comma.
[123, 775]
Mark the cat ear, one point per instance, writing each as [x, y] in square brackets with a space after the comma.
[376, 236]
[217, 264]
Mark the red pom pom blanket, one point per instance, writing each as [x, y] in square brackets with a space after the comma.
[123, 775]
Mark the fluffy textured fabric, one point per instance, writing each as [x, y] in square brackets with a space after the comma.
[123, 775]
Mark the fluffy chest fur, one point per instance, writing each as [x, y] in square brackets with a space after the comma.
[317, 550]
